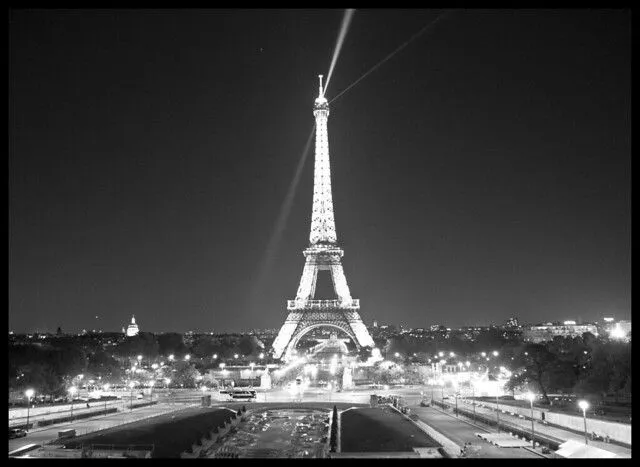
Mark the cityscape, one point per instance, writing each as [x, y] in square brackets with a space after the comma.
[148, 321]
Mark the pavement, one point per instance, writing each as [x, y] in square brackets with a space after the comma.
[88, 425]
[555, 432]
[460, 433]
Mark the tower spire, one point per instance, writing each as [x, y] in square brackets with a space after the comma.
[323, 228]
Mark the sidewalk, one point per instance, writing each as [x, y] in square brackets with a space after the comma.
[460, 433]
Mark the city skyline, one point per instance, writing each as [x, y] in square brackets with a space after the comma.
[484, 171]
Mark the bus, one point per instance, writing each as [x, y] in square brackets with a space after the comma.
[242, 394]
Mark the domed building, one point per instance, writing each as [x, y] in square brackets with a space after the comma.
[132, 329]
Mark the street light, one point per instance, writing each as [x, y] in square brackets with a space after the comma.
[151, 383]
[139, 358]
[473, 396]
[484, 354]
[131, 385]
[187, 357]
[105, 388]
[531, 397]
[261, 356]
[498, 412]
[72, 391]
[171, 357]
[584, 405]
[222, 365]
[235, 356]
[496, 353]
[29, 393]
[215, 356]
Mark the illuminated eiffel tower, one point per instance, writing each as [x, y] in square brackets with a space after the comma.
[323, 253]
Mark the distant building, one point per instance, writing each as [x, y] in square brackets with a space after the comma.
[547, 331]
[132, 329]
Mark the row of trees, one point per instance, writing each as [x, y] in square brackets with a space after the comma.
[50, 366]
[586, 366]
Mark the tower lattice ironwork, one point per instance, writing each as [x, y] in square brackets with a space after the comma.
[323, 253]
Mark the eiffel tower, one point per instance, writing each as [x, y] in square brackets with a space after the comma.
[323, 253]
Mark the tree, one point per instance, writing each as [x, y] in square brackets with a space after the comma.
[171, 343]
[185, 374]
[537, 366]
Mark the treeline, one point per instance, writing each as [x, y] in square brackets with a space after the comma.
[50, 366]
[585, 365]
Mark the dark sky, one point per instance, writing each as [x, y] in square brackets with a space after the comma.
[481, 173]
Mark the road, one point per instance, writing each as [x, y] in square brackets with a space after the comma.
[46, 434]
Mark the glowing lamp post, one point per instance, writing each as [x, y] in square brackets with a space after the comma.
[105, 388]
[72, 391]
[131, 385]
[29, 393]
[139, 359]
[151, 384]
[531, 397]
[584, 405]
[235, 356]
[187, 357]
[473, 396]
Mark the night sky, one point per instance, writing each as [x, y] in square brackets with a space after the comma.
[483, 172]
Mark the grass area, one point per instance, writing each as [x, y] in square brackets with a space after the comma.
[170, 433]
[380, 429]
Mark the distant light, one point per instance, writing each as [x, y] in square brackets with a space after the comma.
[467, 363]
[495, 353]
[440, 354]
[617, 332]
[484, 354]
[235, 355]
[530, 396]
[154, 366]
[152, 383]
[451, 354]
[222, 365]
[203, 389]
[29, 393]
[261, 355]
[171, 357]
[569, 322]
[584, 405]
[608, 320]
[215, 356]
[396, 354]
[139, 357]
[167, 380]
[187, 357]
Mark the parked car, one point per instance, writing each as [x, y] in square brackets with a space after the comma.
[17, 433]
